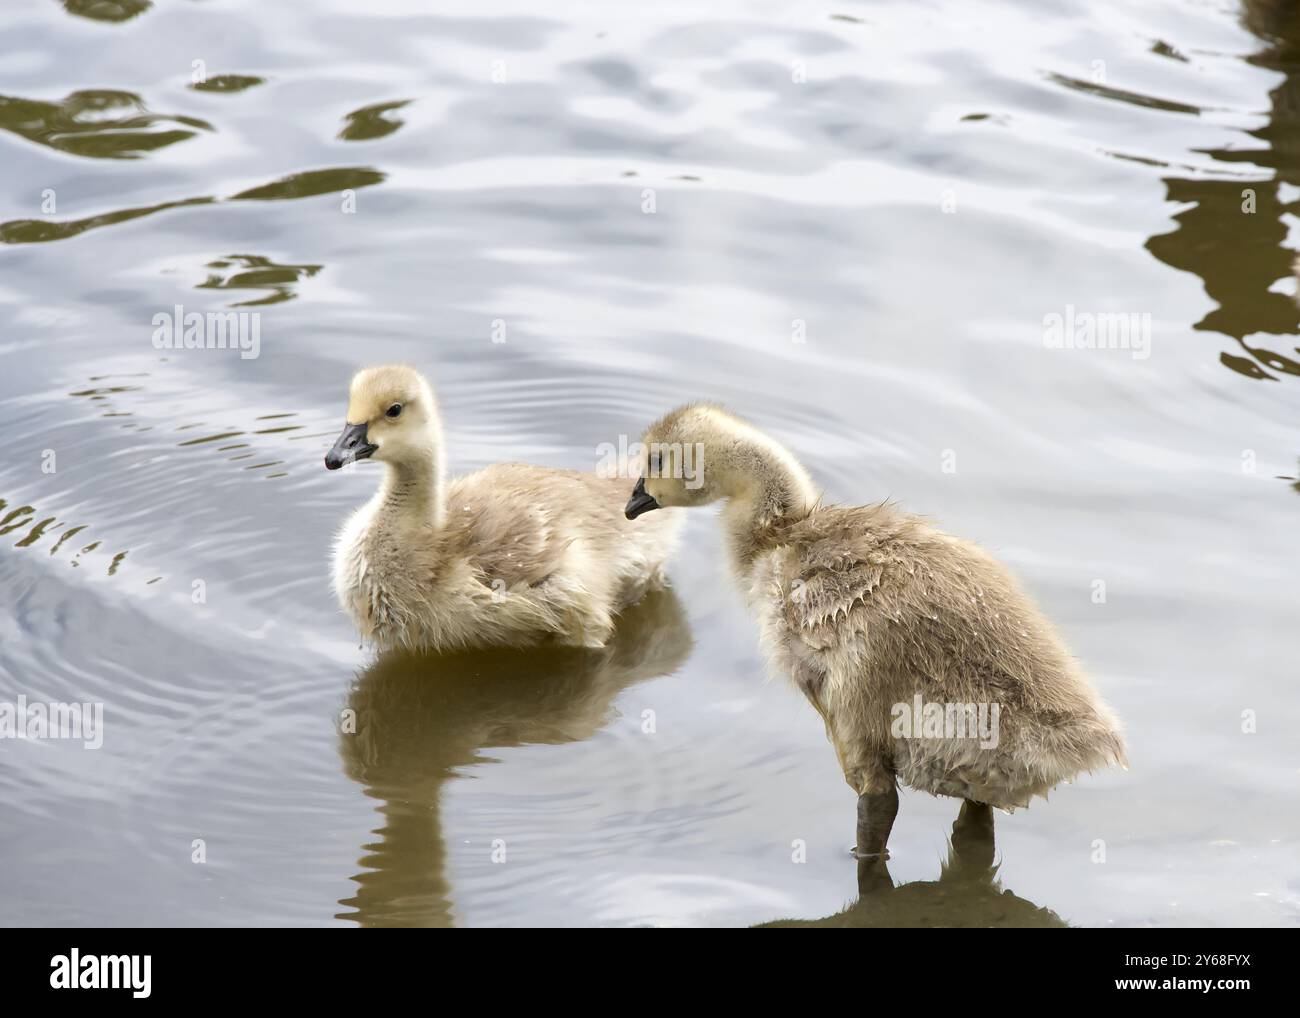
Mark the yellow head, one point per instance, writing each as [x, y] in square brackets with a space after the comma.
[700, 453]
[392, 417]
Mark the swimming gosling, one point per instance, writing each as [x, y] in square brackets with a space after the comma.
[871, 610]
[512, 555]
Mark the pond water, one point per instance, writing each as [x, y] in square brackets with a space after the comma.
[852, 223]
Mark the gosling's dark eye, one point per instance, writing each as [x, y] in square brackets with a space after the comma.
[394, 410]
[654, 465]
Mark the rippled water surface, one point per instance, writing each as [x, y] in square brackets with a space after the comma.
[846, 221]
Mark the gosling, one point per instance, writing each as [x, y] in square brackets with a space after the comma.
[871, 612]
[512, 555]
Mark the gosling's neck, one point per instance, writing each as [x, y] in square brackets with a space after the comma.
[770, 489]
[412, 492]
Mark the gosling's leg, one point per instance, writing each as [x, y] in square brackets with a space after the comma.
[974, 816]
[873, 876]
[972, 835]
[876, 813]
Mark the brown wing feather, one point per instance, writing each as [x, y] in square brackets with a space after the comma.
[516, 521]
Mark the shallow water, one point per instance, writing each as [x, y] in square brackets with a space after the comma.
[918, 184]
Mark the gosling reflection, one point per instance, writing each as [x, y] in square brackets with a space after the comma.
[420, 717]
[967, 894]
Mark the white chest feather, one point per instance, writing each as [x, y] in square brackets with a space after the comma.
[357, 581]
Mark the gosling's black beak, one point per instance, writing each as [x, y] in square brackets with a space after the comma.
[351, 445]
[640, 502]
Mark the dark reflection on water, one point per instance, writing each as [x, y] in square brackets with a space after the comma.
[310, 183]
[107, 10]
[257, 272]
[1233, 235]
[967, 895]
[96, 123]
[371, 122]
[15, 519]
[307, 184]
[1122, 95]
[421, 718]
[227, 83]
[34, 529]
[38, 231]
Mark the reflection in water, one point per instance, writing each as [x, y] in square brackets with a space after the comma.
[25, 518]
[31, 527]
[370, 122]
[107, 10]
[967, 894]
[227, 83]
[1122, 95]
[105, 394]
[105, 398]
[296, 185]
[817, 199]
[37, 231]
[1232, 235]
[97, 123]
[420, 717]
[256, 272]
[311, 183]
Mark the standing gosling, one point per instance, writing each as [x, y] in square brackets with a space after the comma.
[869, 609]
[509, 556]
